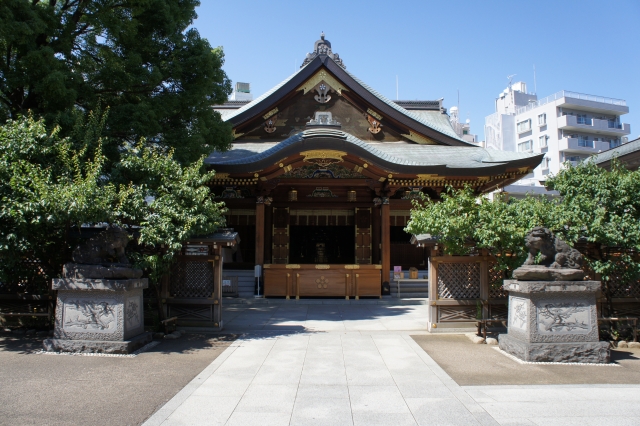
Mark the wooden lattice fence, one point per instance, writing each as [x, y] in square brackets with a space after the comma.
[464, 289]
[29, 295]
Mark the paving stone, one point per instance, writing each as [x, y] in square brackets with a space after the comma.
[377, 399]
[363, 418]
[321, 411]
[373, 377]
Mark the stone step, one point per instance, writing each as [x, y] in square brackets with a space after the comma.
[411, 289]
[386, 300]
[412, 295]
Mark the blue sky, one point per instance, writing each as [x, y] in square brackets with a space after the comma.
[437, 48]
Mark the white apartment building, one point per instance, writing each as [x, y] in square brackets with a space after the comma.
[241, 92]
[463, 130]
[566, 126]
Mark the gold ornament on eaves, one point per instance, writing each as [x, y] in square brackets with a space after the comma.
[322, 155]
[319, 77]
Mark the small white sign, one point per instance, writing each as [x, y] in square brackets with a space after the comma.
[226, 282]
[196, 250]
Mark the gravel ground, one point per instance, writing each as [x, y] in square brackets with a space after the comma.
[471, 364]
[73, 390]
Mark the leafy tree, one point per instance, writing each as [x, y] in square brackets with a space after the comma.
[48, 188]
[463, 221]
[596, 206]
[170, 203]
[603, 208]
[137, 57]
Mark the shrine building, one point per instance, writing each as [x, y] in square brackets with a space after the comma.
[321, 176]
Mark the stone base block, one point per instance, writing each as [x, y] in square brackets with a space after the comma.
[98, 346]
[583, 352]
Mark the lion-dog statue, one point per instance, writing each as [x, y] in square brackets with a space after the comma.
[106, 247]
[553, 252]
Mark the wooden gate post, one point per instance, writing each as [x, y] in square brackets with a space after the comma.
[217, 286]
[432, 312]
[484, 283]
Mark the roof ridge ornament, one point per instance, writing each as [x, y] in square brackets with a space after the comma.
[323, 47]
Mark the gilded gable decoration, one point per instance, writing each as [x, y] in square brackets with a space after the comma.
[415, 137]
[271, 113]
[374, 114]
[270, 124]
[321, 77]
[324, 156]
[374, 124]
[323, 95]
[323, 171]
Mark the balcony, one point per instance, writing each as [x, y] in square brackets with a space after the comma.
[580, 101]
[593, 125]
[577, 145]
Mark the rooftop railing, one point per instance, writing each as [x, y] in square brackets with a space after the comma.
[569, 94]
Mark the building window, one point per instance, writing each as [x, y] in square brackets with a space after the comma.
[526, 146]
[585, 142]
[545, 163]
[542, 119]
[614, 124]
[542, 140]
[524, 126]
[582, 119]
[614, 143]
[573, 158]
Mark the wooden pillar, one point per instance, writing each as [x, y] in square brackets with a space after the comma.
[484, 283]
[375, 236]
[386, 239]
[260, 231]
[268, 233]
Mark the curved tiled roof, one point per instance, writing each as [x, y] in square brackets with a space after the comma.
[620, 151]
[434, 120]
[264, 95]
[387, 155]
[427, 120]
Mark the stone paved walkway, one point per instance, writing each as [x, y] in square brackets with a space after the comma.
[329, 366]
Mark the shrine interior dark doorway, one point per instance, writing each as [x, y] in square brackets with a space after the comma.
[322, 244]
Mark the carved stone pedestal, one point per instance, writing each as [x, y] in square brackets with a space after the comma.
[99, 316]
[553, 321]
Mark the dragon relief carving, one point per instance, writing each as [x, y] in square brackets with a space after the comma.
[88, 314]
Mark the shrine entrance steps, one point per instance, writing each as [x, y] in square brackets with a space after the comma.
[409, 299]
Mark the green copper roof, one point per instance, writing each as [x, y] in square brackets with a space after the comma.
[438, 121]
[433, 119]
[620, 151]
[390, 153]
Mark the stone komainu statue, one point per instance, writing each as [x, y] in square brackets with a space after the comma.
[106, 247]
[554, 252]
